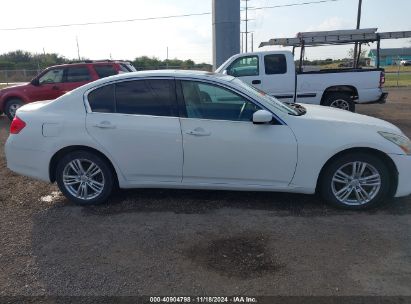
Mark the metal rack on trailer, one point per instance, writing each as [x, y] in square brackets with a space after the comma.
[339, 37]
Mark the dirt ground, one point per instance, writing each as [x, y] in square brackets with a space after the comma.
[173, 242]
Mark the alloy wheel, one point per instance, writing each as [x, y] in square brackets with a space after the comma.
[356, 183]
[83, 179]
[13, 109]
[340, 104]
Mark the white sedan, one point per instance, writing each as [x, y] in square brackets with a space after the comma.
[197, 130]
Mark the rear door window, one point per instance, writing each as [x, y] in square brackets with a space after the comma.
[77, 74]
[155, 97]
[105, 70]
[275, 64]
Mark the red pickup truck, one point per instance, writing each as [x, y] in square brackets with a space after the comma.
[58, 80]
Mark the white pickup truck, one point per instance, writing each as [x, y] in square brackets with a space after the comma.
[276, 74]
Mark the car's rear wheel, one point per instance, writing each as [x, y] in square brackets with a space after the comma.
[340, 100]
[12, 106]
[355, 181]
[84, 178]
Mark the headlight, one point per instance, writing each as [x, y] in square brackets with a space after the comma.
[401, 141]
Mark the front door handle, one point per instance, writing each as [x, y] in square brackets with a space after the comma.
[256, 81]
[105, 125]
[198, 132]
[56, 88]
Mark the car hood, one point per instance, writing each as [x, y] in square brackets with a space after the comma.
[18, 85]
[335, 116]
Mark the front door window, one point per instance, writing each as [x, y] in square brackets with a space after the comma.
[52, 76]
[207, 101]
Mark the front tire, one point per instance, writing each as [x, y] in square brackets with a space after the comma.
[355, 181]
[340, 101]
[84, 178]
[11, 107]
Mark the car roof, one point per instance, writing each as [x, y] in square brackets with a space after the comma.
[204, 75]
[88, 63]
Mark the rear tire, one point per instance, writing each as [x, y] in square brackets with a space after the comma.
[85, 178]
[339, 100]
[365, 189]
[11, 107]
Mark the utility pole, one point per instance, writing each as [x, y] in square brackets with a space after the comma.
[242, 42]
[226, 30]
[246, 24]
[78, 49]
[167, 59]
[358, 27]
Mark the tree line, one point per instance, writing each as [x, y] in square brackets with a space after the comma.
[19, 60]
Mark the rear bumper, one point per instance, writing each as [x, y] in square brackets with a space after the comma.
[27, 162]
[381, 100]
[403, 164]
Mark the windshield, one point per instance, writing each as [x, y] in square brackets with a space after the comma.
[261, 94]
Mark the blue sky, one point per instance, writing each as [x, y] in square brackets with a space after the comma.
[185, 37]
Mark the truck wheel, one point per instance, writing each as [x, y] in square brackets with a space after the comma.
[340, 101]
[11, 107]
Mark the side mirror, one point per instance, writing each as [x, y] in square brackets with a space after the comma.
[262, 117]
[35, 82]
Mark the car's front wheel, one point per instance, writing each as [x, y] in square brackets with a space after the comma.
[355, 181]
[84, 178]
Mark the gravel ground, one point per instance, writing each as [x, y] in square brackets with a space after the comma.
[173, 242]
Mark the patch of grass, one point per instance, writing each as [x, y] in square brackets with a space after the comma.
[394, 80]
[394, 68]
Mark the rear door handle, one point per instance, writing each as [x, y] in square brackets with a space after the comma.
[198, 132]
[105, 125]
[256, 81]
[56, 88]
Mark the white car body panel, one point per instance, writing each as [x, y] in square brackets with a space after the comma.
[223, 156]
[137, 142]
[286, 157]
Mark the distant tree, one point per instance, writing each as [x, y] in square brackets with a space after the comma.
[20, 59]
[151, 63]
[145, 62]
[362, 55]
[25, 60]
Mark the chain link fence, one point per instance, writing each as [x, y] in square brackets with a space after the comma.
[15, 76]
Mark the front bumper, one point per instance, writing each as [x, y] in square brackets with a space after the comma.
[403, 164]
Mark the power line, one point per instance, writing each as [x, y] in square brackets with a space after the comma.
[102, 22]
[291, 4]
[156, 18]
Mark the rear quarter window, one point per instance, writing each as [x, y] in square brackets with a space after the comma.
[102, 100]
[105, 70]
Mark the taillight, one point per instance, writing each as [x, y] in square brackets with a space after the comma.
[382, 79]
[17, 125]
